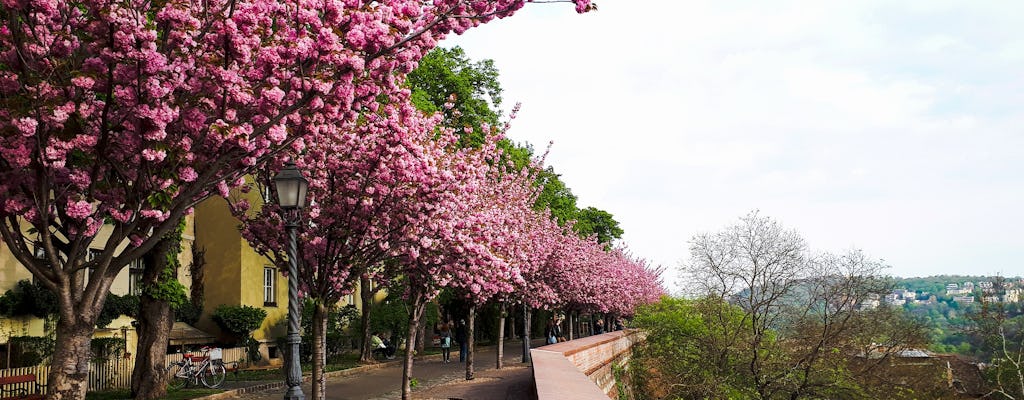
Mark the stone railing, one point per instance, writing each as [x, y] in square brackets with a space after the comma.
[582, 368]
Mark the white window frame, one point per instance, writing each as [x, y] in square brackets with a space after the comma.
[136, 269]
[269, 286]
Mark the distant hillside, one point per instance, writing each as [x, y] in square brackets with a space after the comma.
[937, 284]
[947, 318]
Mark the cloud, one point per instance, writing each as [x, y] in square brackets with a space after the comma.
[893, 127]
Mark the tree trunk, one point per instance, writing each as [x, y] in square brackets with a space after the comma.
[198, 290]
[526, 334]
[421, 335]
[69, 367]
[470, 339]
[512, 322]
[568, 316]
[155, 319]
[149, 377]
[366, 296]
[319, 350]
[501, 337]
[416, 298]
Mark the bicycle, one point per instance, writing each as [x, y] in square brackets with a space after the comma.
[192, 369]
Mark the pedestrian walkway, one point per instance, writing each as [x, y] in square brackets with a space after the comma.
[435, 380]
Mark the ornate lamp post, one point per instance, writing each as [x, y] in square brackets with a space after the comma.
[291, 196]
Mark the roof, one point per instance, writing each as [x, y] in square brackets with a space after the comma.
[913, 353]
[182, 333]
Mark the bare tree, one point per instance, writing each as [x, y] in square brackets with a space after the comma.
[1003, 340]
[801, 320]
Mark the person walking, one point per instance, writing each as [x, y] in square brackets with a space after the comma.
[460, 336]
[446, 343]
[552, 332]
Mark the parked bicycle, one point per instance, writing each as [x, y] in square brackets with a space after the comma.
[193, 369]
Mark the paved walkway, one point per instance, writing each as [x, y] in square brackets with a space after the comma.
[436, 380]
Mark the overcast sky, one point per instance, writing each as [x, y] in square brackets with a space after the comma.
[890, 126]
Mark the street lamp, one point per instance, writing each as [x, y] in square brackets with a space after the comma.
[291, 196]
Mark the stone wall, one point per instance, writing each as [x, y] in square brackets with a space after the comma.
[582, 368]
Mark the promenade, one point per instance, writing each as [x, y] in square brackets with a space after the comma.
[435, 380]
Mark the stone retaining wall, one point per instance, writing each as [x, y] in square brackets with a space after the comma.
[582, 368]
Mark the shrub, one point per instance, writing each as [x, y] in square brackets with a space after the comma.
[240, 321]
[27, 351]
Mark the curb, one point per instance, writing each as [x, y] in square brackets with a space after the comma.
[307, 377]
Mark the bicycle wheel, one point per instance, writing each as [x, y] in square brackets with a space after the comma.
[213, 375]
[179, 376]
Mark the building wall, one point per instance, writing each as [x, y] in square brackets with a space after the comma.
[234, 271]
[11, 271]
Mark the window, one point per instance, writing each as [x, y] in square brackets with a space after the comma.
[135, 271]
[269, 286]
[350, 299]
[89, 256]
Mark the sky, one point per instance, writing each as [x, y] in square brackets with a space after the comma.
[892, 127]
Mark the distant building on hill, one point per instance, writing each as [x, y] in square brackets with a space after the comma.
[894, 299]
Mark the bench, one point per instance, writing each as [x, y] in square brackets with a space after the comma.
[23, 392]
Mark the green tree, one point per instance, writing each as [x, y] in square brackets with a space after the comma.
[802, 328]
[592, 221]
[446, 73]
[1001, 340]
[449, 75]
[692, 350]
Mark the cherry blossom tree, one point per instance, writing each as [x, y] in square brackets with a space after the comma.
[122, 115]
[501, 210]
[444, 248]
[367, 180]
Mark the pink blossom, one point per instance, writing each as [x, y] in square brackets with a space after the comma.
[27, 126]
[78, 209]
[154, 155]
[187, 174]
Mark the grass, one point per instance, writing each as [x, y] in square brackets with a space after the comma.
[183, 394]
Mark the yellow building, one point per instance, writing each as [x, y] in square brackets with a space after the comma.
[233, 274]
[127, 281]
[237, 275]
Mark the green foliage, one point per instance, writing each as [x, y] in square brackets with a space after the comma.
[28, 299]
[116, 306]
[556, 196]
[27, 351]
[592, 221]
[950, 323]
[252, 348]
[685, 342]
[239, 320]
[338, 338]
[1000, 339]
[704, 348]
[392, 316]
[444, 73]
[107, 348]
[167, 288]
[188, 313]
[448, 72]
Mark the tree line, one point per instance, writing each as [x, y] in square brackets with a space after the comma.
[121, 117]
[767, 317]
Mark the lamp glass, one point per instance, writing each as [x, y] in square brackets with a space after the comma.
[291, 187]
